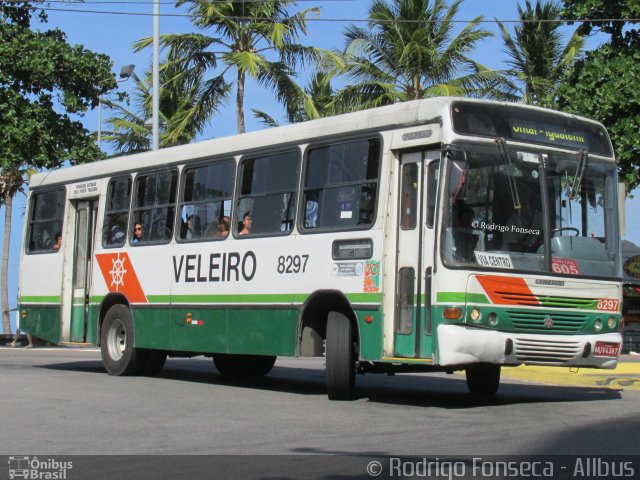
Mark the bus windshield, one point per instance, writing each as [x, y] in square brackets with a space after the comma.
[530, 210]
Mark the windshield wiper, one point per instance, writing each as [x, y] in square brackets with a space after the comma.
[577, 180]
[506, 160]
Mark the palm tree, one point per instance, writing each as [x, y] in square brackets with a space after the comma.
[247, 32]
[537, 57]
[187, 104]
[316, 100]
[409, 52]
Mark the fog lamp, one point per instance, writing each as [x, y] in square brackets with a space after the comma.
[475, 315]
[493, 319]
[597, 325]
[611, 323]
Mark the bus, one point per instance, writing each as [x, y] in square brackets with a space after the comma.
[444, 234]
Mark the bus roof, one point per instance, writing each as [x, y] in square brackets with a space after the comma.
[378, 119]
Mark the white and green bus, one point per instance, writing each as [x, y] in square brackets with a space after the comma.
[436, 235]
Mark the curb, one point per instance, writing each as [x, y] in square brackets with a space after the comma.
[626, 376]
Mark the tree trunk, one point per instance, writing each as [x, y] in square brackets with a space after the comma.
[240, 102]
[4, 275]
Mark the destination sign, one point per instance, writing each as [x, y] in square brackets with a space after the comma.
[529, 125]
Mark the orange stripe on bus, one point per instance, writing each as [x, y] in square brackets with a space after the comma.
[507, 290]
[120, 276]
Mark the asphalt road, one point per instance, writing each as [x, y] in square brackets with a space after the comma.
[61, 402]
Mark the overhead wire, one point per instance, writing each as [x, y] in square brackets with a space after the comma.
[73, 9]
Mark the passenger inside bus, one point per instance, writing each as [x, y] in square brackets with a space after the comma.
[191, 228]
[57, 243]
[246, 224]
[223, 228]
[137, 233]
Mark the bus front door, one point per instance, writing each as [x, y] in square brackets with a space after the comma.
[82, 254]
[418, 174]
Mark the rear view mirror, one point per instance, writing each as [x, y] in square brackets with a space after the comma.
[457, 178]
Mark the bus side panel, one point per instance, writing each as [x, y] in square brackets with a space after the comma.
[152, 326]
[371, 333]
[40, 296]
[41, 321]
[262, 331]
[198, 329]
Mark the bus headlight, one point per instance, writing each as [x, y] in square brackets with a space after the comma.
[475, 315]
[493, 319]
[597, 325]
[611, 323]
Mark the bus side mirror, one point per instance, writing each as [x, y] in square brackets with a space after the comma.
[457, 178]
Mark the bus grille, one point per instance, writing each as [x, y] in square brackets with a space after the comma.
[545, 351]
[535, 321]
[530, 300]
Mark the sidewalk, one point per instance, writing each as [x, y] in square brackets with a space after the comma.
[626, 376]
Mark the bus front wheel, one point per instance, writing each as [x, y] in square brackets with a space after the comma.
[119, 355]
[340, 353]
[483, 379]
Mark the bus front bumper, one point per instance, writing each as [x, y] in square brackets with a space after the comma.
[460, 345]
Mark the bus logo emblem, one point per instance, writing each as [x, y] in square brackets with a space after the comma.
[117, 272]
[120, 276]
[548, 322]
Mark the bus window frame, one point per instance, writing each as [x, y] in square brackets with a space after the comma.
[236, 214]
[303, 175]
[132, 209]
[181, 188]
[106, 210]
[62, 188]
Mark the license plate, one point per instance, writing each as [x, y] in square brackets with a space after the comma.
[606, 349]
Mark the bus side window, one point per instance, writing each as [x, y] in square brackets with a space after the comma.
[341, 185]
[154, 207]
[206, 200]
[46, 214]
[116, 218]
[268, 186]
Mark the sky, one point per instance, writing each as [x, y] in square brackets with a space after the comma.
[131, 20]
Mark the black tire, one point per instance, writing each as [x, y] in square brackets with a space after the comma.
[340, 358]
[119, 356]
[243, 365]
[483, 379]
[154, 363]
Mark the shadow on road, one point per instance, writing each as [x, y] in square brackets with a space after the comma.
[432, 390]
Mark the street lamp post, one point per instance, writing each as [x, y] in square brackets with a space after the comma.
[125, 74]
[155, 114]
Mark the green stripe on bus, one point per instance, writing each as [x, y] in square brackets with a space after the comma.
[266, 298]
[477, 298]
[450, 297]
[40, 299]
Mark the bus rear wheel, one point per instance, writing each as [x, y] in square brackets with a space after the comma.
[483, 379]
[340, 353]
[243, 365]
[119, 356]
